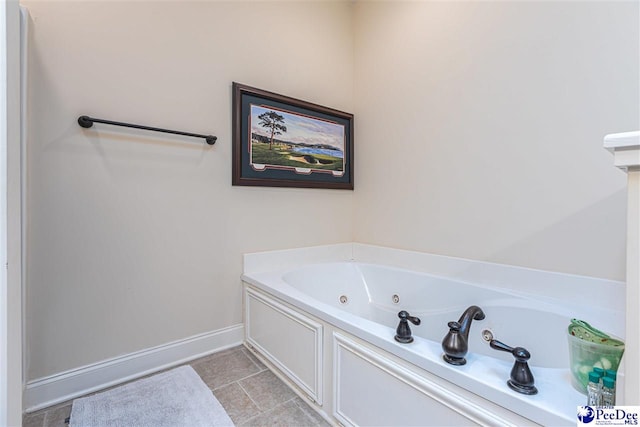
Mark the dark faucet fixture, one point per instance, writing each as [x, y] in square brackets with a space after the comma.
[403, 333]
[455, 343]
[521, 377]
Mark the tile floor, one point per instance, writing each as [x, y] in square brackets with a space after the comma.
[250, 393]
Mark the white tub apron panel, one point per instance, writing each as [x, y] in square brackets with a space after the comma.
[289, 340]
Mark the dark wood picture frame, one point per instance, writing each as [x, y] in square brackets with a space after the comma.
[280, 141]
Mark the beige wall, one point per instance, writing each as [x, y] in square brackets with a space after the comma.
[478, 134]
[480, 125]
[136, 239]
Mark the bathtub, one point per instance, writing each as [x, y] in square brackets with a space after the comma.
[334, 323]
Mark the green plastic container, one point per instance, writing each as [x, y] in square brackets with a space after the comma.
[590, 348]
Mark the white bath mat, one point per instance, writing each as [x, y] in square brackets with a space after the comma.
[171, 399]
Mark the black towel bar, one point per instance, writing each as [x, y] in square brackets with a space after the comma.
[87, 122]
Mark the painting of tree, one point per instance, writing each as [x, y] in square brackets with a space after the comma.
[274, 122]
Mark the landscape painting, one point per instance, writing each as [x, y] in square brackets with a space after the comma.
[283, 139]
[280, 141]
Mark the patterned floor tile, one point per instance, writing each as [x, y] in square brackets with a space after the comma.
[250, 393]
[266, 390]
[220, 370]
[236, 402]
[286, 414]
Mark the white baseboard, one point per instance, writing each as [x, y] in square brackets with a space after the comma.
[57, 388]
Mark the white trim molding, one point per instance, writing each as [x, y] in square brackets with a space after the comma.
[625, 147]
[63, 386]
[430, 390]
[626, 151]
[11, 380]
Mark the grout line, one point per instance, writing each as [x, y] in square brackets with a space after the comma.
[251, 357]
[237, 381]
[305, 408]
[312, 421]
[247, 422]
[251, 399]
[260, 369]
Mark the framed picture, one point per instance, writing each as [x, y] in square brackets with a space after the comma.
[285, 142]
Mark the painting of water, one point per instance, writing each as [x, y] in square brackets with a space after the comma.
[285, 139]
[335, 153]
[281, 141]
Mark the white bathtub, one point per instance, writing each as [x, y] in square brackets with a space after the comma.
[516, 319]
[524, 317]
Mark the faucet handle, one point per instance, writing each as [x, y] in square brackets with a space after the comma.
[521, 354]
[521, 379]
[403, 332]
[405, 315]
[498, 345]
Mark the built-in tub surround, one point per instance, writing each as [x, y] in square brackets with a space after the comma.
[352, 303]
